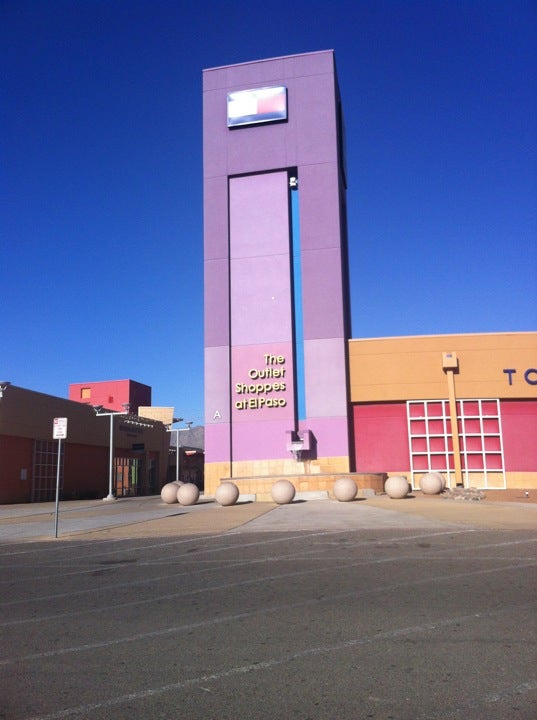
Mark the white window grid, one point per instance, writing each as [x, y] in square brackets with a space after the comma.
[480, 436]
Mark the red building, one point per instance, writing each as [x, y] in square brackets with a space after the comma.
[118, 395]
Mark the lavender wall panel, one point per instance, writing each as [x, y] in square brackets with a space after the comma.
[317, 140]
[261, 147]
[252, 74]
[315, 63]
[215, 220]
[214, 125]
[217, 372]
[325, 377]
[319, 206]
[265, 70]
[216, 310]
[323, 294]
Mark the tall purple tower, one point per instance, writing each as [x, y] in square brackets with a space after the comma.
[276, 285]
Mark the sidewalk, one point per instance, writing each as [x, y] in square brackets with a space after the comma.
[150, 517]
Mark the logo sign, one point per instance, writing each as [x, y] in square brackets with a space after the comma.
[59, 428]
[263, 105]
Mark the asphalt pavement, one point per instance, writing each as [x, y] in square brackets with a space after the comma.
[392, 610]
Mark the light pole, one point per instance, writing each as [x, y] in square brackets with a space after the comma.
[188, 423]
[170, 430]
[99, 411]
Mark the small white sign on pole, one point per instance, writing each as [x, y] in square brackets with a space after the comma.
[59, 429]
[59, 433]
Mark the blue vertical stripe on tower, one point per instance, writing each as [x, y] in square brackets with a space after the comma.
[300, 379]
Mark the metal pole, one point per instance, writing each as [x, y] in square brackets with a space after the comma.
[57, 488]
[110, 495]
[177, 456]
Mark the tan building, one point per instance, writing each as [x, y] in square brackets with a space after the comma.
[29, 454]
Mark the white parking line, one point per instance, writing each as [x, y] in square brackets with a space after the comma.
[84, 710]
[258, 611]
[116, 586]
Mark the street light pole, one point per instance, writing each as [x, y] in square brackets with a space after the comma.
[110, 495]
[177, 457]
[170, 430]
[98, 410]
[188, 423]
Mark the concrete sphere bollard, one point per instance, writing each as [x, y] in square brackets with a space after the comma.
[188, 494]
[283, 492]
[345, 489]
[431, 483]
[227, 493]
[442, 478]
[178, 482]
[168, 493]
[396, 487]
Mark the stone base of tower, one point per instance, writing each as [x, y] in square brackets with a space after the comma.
[316, 476]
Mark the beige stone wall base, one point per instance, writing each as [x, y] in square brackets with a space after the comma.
[261, 486]
[513, 480]
[521, 480]
[214, 472]
[212, 475]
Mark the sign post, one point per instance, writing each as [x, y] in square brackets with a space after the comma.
[59, 433]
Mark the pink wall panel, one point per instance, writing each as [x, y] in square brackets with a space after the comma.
[331, 435]
[261, 387]
[381, 437]
[519, 431]
[261, 309]
[271, 434]
[217, 442]
[259, 215]
[260, 300]
[262, 394]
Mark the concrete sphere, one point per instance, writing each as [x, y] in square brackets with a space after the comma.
[168, 493]
[188, 494]
[178, 482]
[442, 478]
[396, 487]
[227, 493]
[345, 489]
[431, 484]
[283, 492]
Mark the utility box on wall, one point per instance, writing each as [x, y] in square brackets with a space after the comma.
[276, 281]
[449, 361]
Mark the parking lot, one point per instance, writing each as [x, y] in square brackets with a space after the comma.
[392, 610]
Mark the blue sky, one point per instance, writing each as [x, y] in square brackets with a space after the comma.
[101, 180]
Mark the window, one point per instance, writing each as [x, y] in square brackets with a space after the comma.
[480, 438]
[85, 393]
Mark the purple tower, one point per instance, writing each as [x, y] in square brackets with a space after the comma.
[276, 286]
